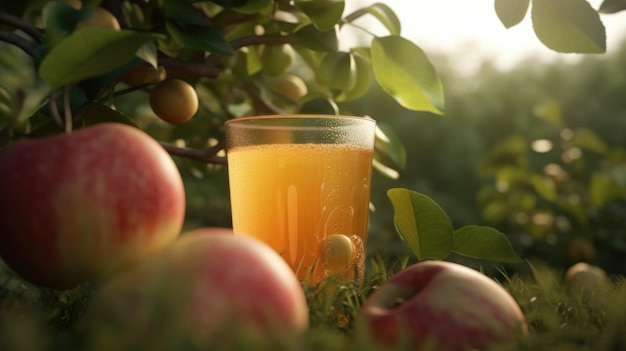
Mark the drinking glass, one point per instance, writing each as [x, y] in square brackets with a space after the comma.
[301, 184]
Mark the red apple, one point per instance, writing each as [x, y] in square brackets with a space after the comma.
[442, 304]
[87, 204]
[209, 288]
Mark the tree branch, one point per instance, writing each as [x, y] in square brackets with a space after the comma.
[208, 68]
[196, 69]
[26, 27]
[18, 41]
[253, 40]
[261, 105]
[202, 155]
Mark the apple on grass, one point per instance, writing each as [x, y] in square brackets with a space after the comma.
[208, 289]
[87, 204]
[442, 304]
[584, 279]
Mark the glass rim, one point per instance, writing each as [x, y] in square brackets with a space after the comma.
[297, 116]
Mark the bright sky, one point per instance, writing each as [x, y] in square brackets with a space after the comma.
[470, 31]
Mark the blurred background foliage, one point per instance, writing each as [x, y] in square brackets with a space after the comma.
[537, 151]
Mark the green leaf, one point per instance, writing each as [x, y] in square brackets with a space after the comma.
[404, 72]
[308, 56]
[324, 14]
[511, 12]
[389, 147]
[148, 53]
[337, 71]
[509, 152]
[90, 52]
[587, 139]
[60, 20]
[496, 210]
[612, 6]
[578, 212]
[383, 169]
[320, 106]
[383, 13]
[421, 223]
[251, 6]
[568, 26]
[551, 112]
[311, 38]
[200, 38]
[183, 12]
[544, 186]
[484, 243]
[232, 3]
[363, 79]
[97, 113]
[603, 189]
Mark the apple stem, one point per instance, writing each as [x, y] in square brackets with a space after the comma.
[67, 109]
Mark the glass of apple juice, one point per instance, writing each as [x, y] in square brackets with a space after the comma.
[301, 184]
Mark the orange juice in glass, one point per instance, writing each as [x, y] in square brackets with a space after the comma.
[301, 184]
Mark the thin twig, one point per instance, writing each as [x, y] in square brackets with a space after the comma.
[202, 155]
[262, 106]
[18, 41]
[67, 109]
[26, 27]
[354, 15]
[54, 109]
[349, 19]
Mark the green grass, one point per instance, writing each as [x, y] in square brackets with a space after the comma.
[36, 319]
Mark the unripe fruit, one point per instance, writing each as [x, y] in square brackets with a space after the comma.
[337, 252]
[339, 255]
[143, 74]
[75, 4]
[277, 59]
[101, 19]
[291, 87]
[174, 101]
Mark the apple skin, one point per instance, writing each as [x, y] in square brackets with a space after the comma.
[207, 288]
[442, 304]
[88, 204]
